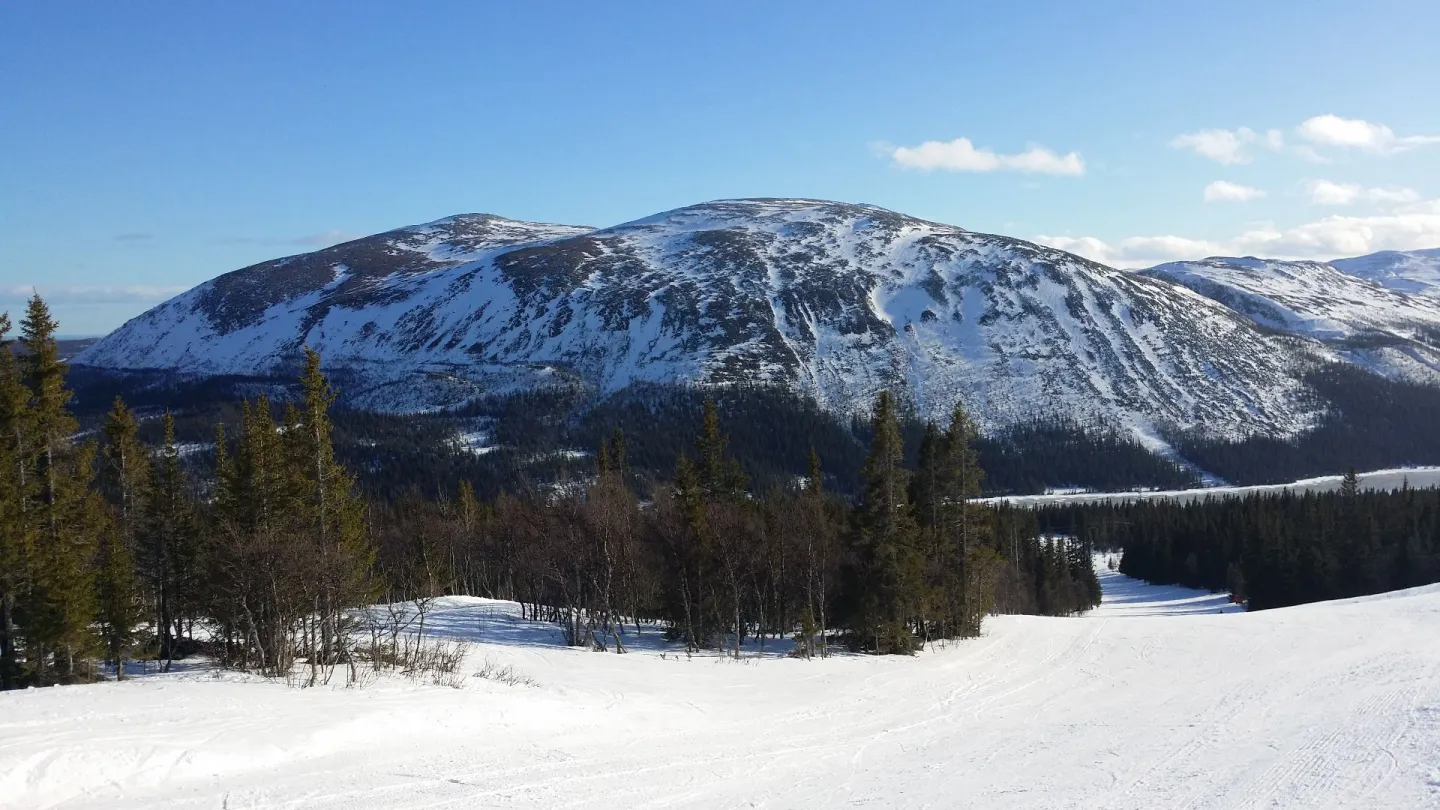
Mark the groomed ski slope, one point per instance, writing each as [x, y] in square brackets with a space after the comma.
[1152, 701]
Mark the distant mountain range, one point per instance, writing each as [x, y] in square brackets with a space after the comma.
[1415, 271]
[832, 300]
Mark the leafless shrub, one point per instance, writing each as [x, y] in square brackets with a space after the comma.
[505, 674]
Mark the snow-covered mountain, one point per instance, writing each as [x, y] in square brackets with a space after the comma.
[1412, 271]
[1357, 320]
[830, 299]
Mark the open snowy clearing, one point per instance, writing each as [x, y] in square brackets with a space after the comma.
[1152, 701]
[1416, 477]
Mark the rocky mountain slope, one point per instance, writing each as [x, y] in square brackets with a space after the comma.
[829, 299]
[1412, 271]
[1357, 320]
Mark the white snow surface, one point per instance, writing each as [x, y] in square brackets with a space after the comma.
[1151, 701]
[1389, 480]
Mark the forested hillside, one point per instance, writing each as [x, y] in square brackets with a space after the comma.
[1271, 550]
[1370, 423]
[549, 434]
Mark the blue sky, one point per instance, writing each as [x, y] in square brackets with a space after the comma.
[146, 147]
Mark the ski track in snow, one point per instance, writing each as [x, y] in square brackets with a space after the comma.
[1153, 700]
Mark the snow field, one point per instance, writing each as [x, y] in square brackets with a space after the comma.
[1151, 701]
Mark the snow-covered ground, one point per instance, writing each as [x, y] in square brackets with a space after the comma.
[1415, 477]
[1135, 597]
[1152, 701]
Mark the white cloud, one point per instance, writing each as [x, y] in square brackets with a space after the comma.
[1232, 146]
[1325, 192]
[960, 155]
[1392, 195]
[1410, 227]
[1223, 146]
[1226, 190]
[1332, 130]
[1136, 251]
[88, 294]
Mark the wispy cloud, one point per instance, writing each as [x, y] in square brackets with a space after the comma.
[1228, 146]
[960, 155]
[1134, 251]
[1325, 192]
[134, 237]
[66, 294]
[1224, 190]
[1332, 130]
[1407, 227]
[334, 236]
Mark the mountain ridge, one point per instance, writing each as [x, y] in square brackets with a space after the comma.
[831, 300]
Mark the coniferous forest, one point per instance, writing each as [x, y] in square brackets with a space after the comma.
[1271, 550]
[123, 542]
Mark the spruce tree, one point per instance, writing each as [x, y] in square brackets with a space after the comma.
[719, 473]
[118, 599]
[260, 565]
[17, 529]
[331, 512]
[888, 571]
[60, 605]
[167, 542]
[1350, 484]
[124, 478]
[693, 561]
[965, 527]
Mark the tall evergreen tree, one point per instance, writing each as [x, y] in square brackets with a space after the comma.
[1350, 483]
[965, 529]
[256, 582]
[718, 472]
[17, 529]
[888, 573]
[61, 602]
[331, 513]
[125, 479]
[168, 543]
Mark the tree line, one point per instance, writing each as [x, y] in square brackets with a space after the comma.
[1368, 421]
[532, 433]
[910, 561]
[112, 548]
[1272, 550]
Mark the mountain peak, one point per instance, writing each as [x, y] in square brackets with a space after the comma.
[829, 299]
[754, 211]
